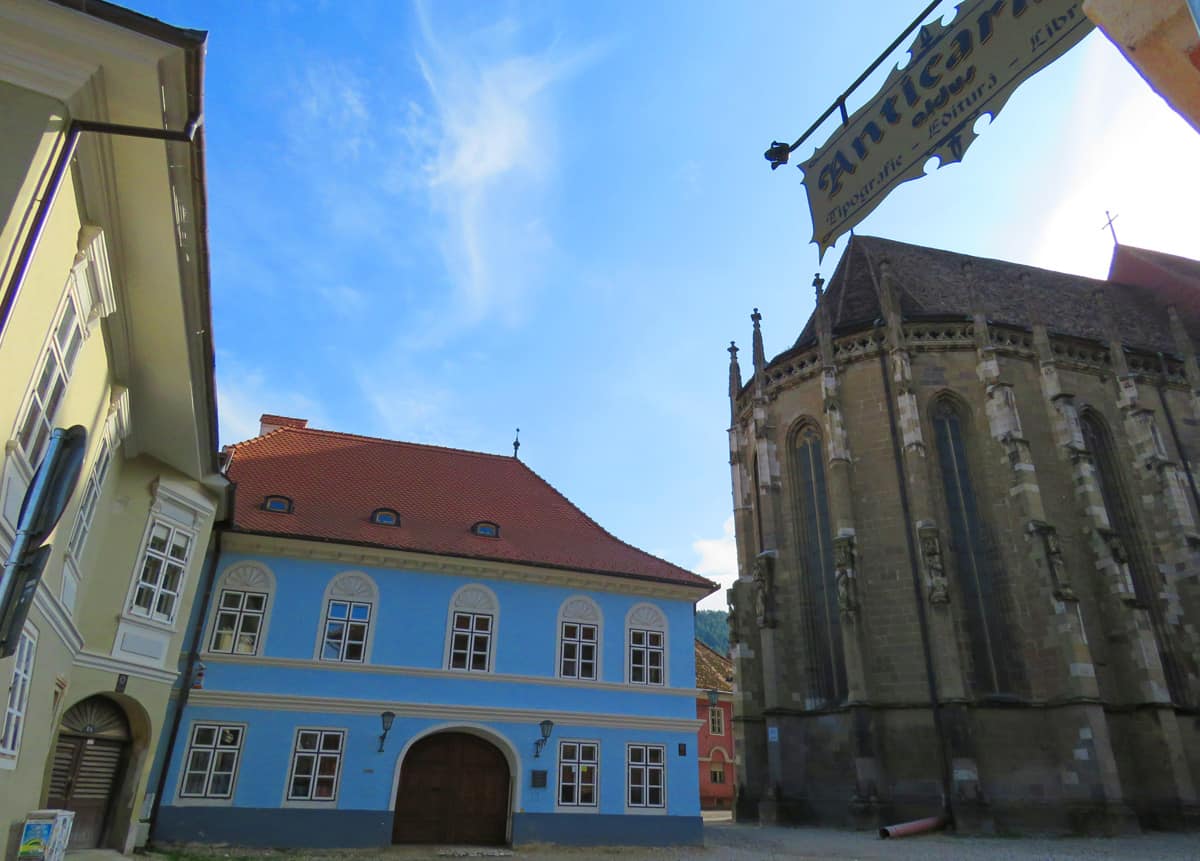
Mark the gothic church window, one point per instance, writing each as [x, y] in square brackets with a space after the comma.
[826, 662]
[1121, 519]
[978, 578]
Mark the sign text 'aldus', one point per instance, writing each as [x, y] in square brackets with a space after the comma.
[929, 108]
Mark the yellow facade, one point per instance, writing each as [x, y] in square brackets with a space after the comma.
[122, 252]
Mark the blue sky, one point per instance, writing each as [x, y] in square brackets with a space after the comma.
[441, 221]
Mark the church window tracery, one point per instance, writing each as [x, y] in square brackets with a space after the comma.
[827, 666]
[1099, 443]
[978, 578]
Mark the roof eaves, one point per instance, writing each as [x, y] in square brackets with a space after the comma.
[704, 582]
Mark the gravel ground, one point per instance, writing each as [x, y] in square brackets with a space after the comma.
[725, 841]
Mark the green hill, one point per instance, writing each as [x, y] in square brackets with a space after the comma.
[712, 630]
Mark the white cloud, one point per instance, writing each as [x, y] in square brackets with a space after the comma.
[1118, 123]
[245, 393]
[494, 155]
[717, 561]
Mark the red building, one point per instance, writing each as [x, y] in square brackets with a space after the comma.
[714, 676]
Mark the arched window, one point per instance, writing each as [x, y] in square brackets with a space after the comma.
[826, 661]
[978, 574]
[348, 625]
[471, 629]
[579, 626]
[645, 645]
[242, 611]
[1099, 443]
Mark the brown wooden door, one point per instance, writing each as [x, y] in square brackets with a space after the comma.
[453, 789]
[89, 760]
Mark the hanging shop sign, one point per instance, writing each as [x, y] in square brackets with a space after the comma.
[957, 73]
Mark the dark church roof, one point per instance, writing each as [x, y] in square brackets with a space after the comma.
[932, 285]
[333, 482]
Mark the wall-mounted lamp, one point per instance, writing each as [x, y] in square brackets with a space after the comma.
[713, 697]
[547, 727]
[386, 719]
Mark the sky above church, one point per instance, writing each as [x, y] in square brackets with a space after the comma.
[442, 221]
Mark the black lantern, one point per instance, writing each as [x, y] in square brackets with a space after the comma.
[713, 696]
[386, 719]
[547, 727]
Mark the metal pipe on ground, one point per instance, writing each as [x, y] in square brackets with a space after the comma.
[916, 826]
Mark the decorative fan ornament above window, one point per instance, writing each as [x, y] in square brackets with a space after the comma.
[486, 528]
[277, 504]
[385, 517]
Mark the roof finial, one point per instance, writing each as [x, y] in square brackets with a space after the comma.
[517, 442]
[1109, 225]
[818, 284]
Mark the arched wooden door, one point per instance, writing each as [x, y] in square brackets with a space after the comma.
[89, 761]
[453, 789]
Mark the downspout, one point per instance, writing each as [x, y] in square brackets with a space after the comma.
[1162, 398]
[914, 565]
[74, 129]
[185, 687]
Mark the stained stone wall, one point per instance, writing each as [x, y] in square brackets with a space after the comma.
[1090, 736]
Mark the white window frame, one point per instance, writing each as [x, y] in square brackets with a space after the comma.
[716, 767]
[645, 784]
[247, 578]
[474, 601]
[355, 627]
[579, 762]
[350, 588]
[209, 771]
[579, 610]
[173, 528]
[240, 611]
[644, 620]
[473, 630]
[33, 410]
[318, 754]
[16, 700]
[90, 498]
[716, 720]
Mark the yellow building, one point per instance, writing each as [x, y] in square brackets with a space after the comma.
[104, 323]
[1161, 38]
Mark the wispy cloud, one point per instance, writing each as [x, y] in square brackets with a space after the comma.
[245, 393]
[717, 561]
[495, 154]
[1127, 128]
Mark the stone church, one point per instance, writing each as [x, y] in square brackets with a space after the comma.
[969, 561]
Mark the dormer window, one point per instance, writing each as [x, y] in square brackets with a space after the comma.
[487, 529]
[277, 504]
[385, 517]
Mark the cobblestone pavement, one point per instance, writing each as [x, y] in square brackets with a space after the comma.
[725, 841]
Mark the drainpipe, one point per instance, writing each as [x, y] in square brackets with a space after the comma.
[914, 565]
[1162, 398]
[185, 687]
[71, 142]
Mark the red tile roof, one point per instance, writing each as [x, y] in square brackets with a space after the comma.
[714, 671]
[1169, 280]
[336, 480]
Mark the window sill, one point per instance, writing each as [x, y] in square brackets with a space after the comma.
[577, 808]
[311, 805]
[646, 811]
[202, 802]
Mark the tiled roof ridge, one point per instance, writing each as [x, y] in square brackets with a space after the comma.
[233, 447]
[962, 255]
[591, 521]
[700, 642]
[594, 523]
[398, 442]
[1152, 253]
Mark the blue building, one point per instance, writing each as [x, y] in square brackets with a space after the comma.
[412, 644]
